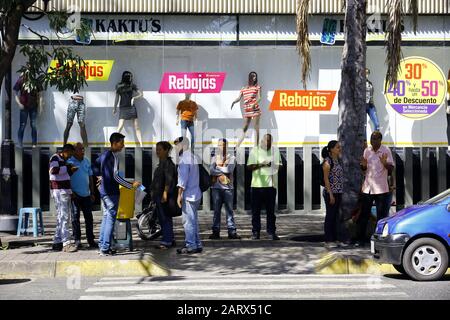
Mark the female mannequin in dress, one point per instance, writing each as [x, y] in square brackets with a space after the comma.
[126, 93]
[252, 96]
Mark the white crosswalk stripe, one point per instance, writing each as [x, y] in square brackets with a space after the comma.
[242, 287]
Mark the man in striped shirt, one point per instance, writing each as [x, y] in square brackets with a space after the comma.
[106, 168]
[61, 191]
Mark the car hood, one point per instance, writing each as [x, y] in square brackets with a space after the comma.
[405, 214]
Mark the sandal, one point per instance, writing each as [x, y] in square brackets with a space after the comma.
[185, 250]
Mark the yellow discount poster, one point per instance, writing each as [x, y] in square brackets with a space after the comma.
[421, 89]
[95, 70]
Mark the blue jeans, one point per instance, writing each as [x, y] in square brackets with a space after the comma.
[188, 125]
[110, 205]
[190, 224]
[23, 123]
[223, 197]
[372, 112]
[166, 223]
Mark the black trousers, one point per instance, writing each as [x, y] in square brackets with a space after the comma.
[448, 128]
[262, 196]
[382, 212]
[82, 204]
[331, 225]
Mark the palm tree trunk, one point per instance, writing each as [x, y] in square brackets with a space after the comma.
[352, 107]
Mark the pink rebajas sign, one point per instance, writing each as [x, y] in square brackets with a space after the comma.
[192, 82]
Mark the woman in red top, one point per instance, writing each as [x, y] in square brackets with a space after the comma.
[252, 96]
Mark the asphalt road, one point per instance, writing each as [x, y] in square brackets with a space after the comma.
[199, 286]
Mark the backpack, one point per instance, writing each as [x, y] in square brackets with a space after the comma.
[321, 175]
[204, 178]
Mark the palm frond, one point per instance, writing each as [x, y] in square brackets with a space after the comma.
[414, 10]
[303, 43]
[393, 42]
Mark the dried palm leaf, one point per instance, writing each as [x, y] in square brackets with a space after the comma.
[393, 42]
[303, 43]
[414, 10]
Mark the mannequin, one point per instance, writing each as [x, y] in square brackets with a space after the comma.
[187, 109]
[78, 108]
[126, 93]
[30, 105]
[252, 96]
[370, 106]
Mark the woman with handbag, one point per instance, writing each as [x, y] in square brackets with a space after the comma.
[163, 191]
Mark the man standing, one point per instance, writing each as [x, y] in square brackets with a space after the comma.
[106, 168]
[221, 170]
[189, 196]
[61, 191]
[82, 196]
[378, 163]
[264, 162]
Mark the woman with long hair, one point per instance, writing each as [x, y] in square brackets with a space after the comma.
[251, 95]
[332, 193]
[163, 188]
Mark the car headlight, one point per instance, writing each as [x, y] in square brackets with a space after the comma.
[385, 232]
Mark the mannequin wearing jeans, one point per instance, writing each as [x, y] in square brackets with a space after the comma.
[187, 109]
[370, 106]
[30, 104]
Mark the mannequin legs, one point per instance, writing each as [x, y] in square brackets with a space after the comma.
[246, 126]
[83, 133]
[136, 128]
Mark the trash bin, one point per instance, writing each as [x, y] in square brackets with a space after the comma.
[122, 230]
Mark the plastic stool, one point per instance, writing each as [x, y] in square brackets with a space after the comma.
[24, 215]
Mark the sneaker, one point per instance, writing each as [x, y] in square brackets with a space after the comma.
[57, 247]
[199, 250]
[274, 237]
[330, 245]
[214, 236]
[343, 244]
[78, 245]
[234, 236]
[103, 253]
[255, 236]
[70, 248]
[185, 250]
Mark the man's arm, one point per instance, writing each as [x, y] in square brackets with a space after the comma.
[124, 183]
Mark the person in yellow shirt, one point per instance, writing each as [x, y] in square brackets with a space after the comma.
[187, 109]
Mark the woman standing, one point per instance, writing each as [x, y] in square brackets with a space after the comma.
[252, 96]
[163, 188]
[333, 178]
[126, 93]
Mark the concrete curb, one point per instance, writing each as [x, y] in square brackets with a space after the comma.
[100, 268]
[335, 263]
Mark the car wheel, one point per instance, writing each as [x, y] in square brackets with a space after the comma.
[399, 268]
[425, 259]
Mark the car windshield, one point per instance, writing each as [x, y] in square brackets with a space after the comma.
[438, 198]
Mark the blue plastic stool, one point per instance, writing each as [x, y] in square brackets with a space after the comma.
[24, 215]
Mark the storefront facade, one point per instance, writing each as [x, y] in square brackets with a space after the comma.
[150, 45]
[154, 38]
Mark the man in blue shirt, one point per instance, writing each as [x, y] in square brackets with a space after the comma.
[189, 196]
[82, 196]
[106, 168]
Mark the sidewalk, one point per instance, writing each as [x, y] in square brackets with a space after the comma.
[33, 257]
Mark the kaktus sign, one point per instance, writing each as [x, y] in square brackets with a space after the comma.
[192, 82]
[302, 100]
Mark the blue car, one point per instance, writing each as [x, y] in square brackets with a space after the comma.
[416, 241]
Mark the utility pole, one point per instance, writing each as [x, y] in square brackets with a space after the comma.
[8, 177]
